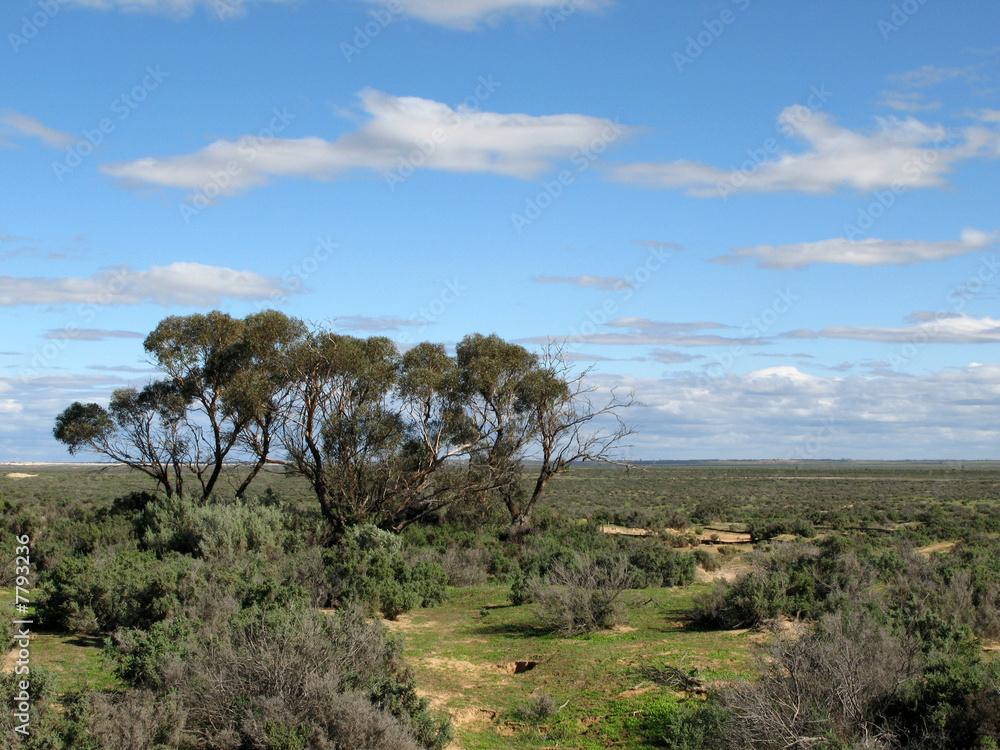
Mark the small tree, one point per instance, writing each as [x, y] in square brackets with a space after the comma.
[203, 355]
[141, 429]
[561, 409]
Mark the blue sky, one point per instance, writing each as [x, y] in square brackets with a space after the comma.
[776, 222]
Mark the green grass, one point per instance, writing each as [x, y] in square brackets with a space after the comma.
[76, 660]
[455, 650]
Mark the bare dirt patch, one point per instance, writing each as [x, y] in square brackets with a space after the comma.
[638, 690]
[625, 530]
[515, 667]
[19, 475]
[932, 548]
[9, 662]
[452, 665]
[405, 623]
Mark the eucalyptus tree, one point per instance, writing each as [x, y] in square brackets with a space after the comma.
[255, 391]
[338, 427]
[495, 378]
[143, 429]
[563, 417]
[527, 406]
[218, 396]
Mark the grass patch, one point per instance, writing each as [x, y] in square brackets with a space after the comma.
[462, 653]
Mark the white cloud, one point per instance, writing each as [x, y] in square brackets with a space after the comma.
[909, 101]
[607, 283]
[401, 132]
[460, 14]
[660, 245]
[899, 153]
[471, 14]
[363, 323]
[932, 75]
[785, 413]
[867, 252]
[944, 328]
[670, 357]
[28, 126]
[645, 332]
[192, 284]
[90, 334]
[177, 8]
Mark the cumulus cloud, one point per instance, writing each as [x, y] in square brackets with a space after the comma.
[607, 283]
[899, 152]
[866, 252]
[784, 413]
[401, 132]
[22, 125]
[932, 328]
[192, 284]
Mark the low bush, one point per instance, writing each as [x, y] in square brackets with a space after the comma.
[582, 596]
[213, 529]
[368, 568]
[278, 677]
[111, 589]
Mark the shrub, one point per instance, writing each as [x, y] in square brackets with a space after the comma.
[745, 603]
[829, 685]
[368, 568]
[706, 560]
[106, 590]
[214, 529]
[581, 596]
[539, 707]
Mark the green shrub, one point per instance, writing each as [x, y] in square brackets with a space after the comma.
[108, 590]
[368, 568]
[582, 596]
[214, 529]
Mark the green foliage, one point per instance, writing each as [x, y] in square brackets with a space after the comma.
[214, 529]
[581, 596]
[368, 568]
[110, 589]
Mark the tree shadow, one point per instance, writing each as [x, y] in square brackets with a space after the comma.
[513, 629]
[86, 641]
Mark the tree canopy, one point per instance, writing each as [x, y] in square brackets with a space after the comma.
[382, 437]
